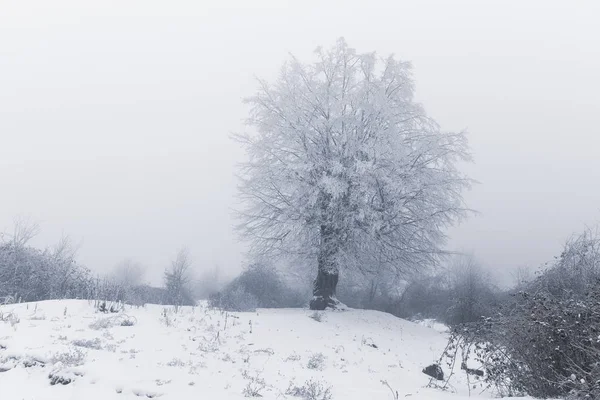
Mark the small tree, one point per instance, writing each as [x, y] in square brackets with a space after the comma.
[470, 289]
[178, 279]
[347, 169]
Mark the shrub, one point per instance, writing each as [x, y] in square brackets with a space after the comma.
[95, 344]
[29, 274]
[234, 299]
[255, 385]
[258, 286]
[127, 321]
[73, 357]
[311, 390]
[545, 341]
[543, 346]
[316, 361]
[109, 322]
[462, 292]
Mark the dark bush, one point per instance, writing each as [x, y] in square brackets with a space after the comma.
[545, 340]
[234, 299]
[258, 286]
[458, 294]
[30, 274]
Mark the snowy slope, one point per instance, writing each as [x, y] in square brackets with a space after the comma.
[203, 354]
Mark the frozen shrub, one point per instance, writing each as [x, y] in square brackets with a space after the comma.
[29, 274]
[94, 344]
[234, 299]
[12, 318]
[292, 357]
[258, 286]
[311, 390]
[545, 340]
[73, 357]
[127, 321]
[176, 362]
[178, 279]
[316, 361]
[103, 323]
[8, 363]
[111, 307]
[146, 394]
[62, 377]
[109, 322]
[254, 387]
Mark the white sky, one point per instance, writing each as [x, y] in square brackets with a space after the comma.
[115, 115]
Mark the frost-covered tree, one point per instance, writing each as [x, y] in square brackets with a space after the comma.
[345, 167]
[178, 279]
[471, 293]
[30, 274]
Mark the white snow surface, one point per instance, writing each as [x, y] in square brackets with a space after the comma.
[198, 353]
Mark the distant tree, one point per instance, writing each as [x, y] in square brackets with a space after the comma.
[521, 276]
[209, 282]
[347, 169]
[24, 229]
[472, 295]
[178, 279]
[259, 285]
[128, 275]
[71, 279]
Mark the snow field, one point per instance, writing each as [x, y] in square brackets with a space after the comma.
[68, 350]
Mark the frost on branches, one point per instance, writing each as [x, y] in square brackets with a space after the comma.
[345, 167]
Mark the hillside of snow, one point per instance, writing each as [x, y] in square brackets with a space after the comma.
[68, 350]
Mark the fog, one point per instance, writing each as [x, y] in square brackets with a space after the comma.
[115, 116]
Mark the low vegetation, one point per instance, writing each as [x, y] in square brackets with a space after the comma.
[259, 286]
[544, 340]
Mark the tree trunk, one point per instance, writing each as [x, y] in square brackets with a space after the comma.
[328, 271]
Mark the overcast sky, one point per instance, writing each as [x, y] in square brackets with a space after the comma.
[115, 115]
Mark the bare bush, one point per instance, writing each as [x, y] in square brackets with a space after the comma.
[255, 385]
[178, 280]
[316, 361]
[109, 322]
[545, 341]
[176, 362]
[73, 357]
[95, 344]
[471, 292]
[234, 299]
[292, 357]
[30, 274]
[310, 390]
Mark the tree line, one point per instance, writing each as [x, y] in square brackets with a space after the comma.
[31, 274]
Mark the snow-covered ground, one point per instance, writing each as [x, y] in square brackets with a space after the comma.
[199, 353]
